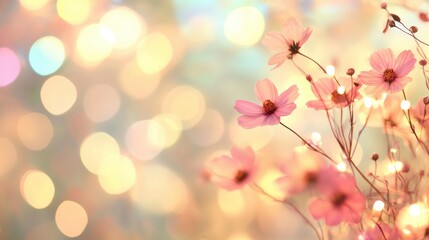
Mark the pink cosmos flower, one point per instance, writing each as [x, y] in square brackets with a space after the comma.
[388, 115]
[272, 108]
[232, 173]
[330, 94]
[420, 112]
[287, 42]
[302, 171]
[339, 201]
[388, 74]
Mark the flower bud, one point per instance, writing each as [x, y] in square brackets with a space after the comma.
[350, 71]
[309, 78]
[383, 5]
[395, 17]
[375, 156]
[413, 29]
[391, 23]
[405, 168]
[423, 62]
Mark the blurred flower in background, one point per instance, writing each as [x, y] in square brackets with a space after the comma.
[109, 109]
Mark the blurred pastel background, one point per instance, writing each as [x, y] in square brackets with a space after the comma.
[109, 109]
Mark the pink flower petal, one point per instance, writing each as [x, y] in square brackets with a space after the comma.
[323, 88]
[371, 77]
[320, 105]
[266, 90]
[223, 166]
[288, 96]
[404, 63]
[251, 121]
[333, 217]
[246, 157]
[399, 84]
[319, 208]
[275, 41]
[292, 29]
[271, 120]
[278, 59]
[285, 110]
[248, 108]
[305, 35]
[382, 60]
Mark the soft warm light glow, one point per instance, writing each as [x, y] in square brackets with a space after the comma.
[145, 139]
[126, 25]
[9, 156]
[33, 5]
[342, 166]
[37, 189]
[330, 70]
[341, 90]
[201, 135]
[316, 138]
[415, 210]
[74, 12]
[58, 94]
[9, 66]
[35, 131]
[239, 236]
[172, 127]
[231, 202]
[98, 148]
[135, 83]
[378, 206]
[244, 26]
[94, 44]
[396, 166]
[185, 102]
[154, 53]
[71, 218]
[368, 102]
[101, 102]
[405, 105]
[413, 220]
[118, 176]
[159, 190]
[257, 138]
[47, 55]
[266, 182]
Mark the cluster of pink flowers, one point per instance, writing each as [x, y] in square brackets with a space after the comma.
[388, 209]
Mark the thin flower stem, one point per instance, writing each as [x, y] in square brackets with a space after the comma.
[412, 35]
[307, 143]
[361, 130]
[369, 182]
[291, 205]
[314, 61]
[413, 130]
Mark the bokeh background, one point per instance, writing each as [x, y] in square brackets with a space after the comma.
[110, 108]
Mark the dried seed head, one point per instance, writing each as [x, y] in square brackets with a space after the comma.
[413, 29]
[375, 156]
[423, 62]
[350, 71]
[309, 78]
[391, 23]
